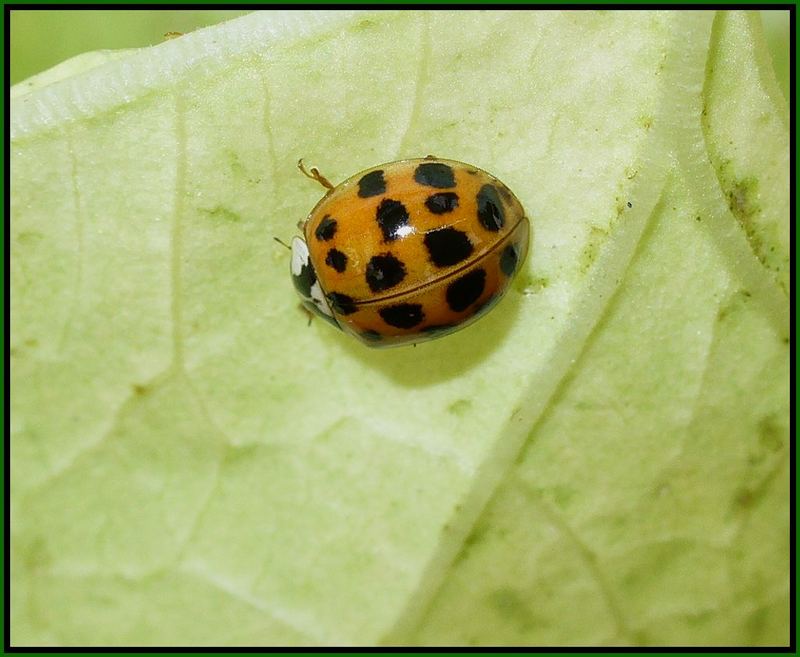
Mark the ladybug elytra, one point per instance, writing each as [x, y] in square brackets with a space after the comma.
[410, 250]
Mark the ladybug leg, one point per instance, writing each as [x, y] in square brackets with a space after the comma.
[282, 243]
[431, 157]
[308, 313]
[314, 174]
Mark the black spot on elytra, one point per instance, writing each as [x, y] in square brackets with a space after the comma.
[442, 202]
[435, 174]
[371, 184]
[341, 303]
[326, 229]
[305, 280]
[391, 216]
[384, 271]
[490, 209]
[372, 335]
[508, 259]
[447, 246]
[465, 291]
[336, 259]
[402, 315]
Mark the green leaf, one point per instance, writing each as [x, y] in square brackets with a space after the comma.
[602, 459]
[33, 51]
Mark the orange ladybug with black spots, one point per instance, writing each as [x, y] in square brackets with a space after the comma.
[410, 250]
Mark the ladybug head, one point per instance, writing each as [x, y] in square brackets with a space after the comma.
[305, 282]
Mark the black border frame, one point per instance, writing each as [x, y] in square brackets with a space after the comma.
[414, 4]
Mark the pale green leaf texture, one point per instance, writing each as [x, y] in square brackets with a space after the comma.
[603, 459]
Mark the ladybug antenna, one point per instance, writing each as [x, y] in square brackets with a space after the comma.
[314, 174]
[282, 243]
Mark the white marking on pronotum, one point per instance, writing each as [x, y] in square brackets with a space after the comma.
[300, 259]
[299, 255]
[319, 299]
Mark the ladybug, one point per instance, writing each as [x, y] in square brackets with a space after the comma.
[409, 250]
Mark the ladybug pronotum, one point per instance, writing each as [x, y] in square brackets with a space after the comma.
[410, 250]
